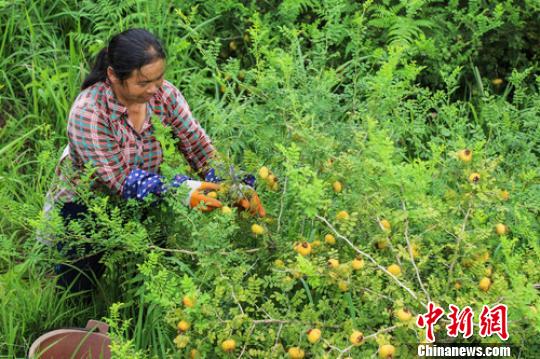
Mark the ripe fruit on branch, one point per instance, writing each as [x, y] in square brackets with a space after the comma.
[342, 215]
[314, 335]
[337, 186]
[257, 229]
[404, 314]
[264, 172]
[330, 239]
[394, 269]
[183, 326]
[356, 338]
[386, 225]
[474, 178]
[296, 353]
[303, 248]
[228, 345]
[357, 263]
[188, 301]
[386, 351]
[484, 284]
[501, 229]
[333, 263]
[465, 155]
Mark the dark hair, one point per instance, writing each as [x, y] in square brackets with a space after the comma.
[127, 51]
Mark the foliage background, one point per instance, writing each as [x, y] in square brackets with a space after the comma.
[379, 95]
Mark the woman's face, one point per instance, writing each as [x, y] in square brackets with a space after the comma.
[141, 85]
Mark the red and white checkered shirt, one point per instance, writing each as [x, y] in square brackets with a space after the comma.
[99, 132]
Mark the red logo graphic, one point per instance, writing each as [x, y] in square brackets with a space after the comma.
[494, 321]
[460, 321]
[491, 321]
[429, 320]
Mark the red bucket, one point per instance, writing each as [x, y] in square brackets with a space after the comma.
[91, 342]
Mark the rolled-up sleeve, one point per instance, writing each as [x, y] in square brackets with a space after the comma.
[194, 143]
[92, 140]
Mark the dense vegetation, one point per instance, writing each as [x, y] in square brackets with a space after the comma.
[380, 96]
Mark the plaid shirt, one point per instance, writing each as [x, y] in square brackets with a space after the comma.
[99, 132]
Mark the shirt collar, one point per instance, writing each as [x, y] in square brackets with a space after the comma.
[112, 101]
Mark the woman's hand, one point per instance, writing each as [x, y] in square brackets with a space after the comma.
[252, 203]
[195, 196]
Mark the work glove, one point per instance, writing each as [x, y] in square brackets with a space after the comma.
[140, 183]
[246, 191]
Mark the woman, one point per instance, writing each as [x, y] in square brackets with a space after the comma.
[110, 126]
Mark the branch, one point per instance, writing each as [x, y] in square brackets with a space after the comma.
[411, 253]
[371, 259]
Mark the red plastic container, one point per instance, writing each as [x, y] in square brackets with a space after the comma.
[91, 342]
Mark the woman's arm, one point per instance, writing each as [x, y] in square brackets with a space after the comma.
[194, 143]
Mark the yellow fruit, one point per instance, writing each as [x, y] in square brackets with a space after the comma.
[330, 239]
[275, 186]
[228, 345]
[257, 229]
[403, 314]
[226, 210]
[316, 243]
[485, 283]
[505, 195]
[497, 81]
[343, 286]
[188, 301]
[386, 351]
[232, 45]
[382, 244]
[394, 269]
[183, 326]
[333, 263]
[357, 263]
[457, 285]
[386, 225]
[465, 155]
[313, 335]
[303, 248]
[337, 186]
[414, 250]
[194, 354]
[296, 353]
[484, 257]
[501, 229]
[356, 338]
[474, 178]
[212, 194]
[264, 172]
[279, 263]
[181, 341]
[271, 179]
[342, 215]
